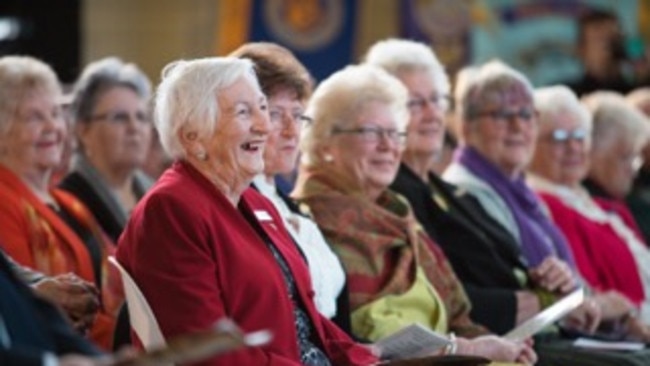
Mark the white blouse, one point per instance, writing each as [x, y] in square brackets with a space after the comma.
[327, 275]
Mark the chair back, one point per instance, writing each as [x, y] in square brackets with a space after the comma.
[142, 318]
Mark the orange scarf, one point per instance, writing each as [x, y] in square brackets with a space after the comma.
[36, 237]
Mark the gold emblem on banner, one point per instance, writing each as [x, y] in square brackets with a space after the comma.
[304, 25]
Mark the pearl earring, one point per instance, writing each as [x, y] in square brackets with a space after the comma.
[328, 158]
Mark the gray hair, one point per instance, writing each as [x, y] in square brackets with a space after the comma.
[401, 55]
[554, 101]
[101, 76]
[340, 98]
[20, 76]
[614, 119]
[486, 84]
[187, 97]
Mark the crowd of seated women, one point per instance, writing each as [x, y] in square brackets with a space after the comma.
[540, 198]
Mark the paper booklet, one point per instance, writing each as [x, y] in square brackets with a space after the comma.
[589, 343]
[224, 337]
[411, 342]
[547, 316]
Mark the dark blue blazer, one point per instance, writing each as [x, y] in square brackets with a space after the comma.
[34, 326]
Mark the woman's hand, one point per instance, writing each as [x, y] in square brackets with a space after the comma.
[497, 349]
[637, 330]
[613, 305]
[554, 275]
[585, 318]
[79, 299]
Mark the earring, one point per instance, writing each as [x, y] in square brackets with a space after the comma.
[328, 158]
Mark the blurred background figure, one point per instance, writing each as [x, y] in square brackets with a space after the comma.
[638, 200]
[288, 85]
[157, 160]
[600, 242]
[112, 122]
[42, 227]
[620, 133]
[601, 50]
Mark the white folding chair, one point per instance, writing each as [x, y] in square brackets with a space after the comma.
[142, 318]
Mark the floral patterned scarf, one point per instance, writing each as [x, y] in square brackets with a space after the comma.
[380, 243]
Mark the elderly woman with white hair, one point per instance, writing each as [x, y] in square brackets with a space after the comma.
[396, 275]
[110, 110]
[608, 254]
[620, 132]
[198, 241]
[482, 252]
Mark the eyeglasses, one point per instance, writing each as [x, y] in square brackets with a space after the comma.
[280, 118]
[524, 114]
[121, 117]
[373, 134]
[416, 105]
[561, 135]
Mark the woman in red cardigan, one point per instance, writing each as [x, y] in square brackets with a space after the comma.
[608, 253]
[203, 245]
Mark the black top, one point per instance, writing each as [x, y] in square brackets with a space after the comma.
[483, 254]
[76, 184]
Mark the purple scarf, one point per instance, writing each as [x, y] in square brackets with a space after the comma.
[540, 238]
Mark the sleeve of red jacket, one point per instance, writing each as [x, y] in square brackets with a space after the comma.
[168, 255]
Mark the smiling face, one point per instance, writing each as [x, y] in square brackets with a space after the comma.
[235, 149]
[286, 112]
[365, 159]
[562, 152]
[33, 143]
[504, 130]
[426, 129]
[118, 134]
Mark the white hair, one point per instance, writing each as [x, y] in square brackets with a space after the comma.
[340, 98]
[615, 119]
[554, 101]
[186, 98]
[400, 55]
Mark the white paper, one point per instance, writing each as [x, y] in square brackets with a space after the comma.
[411, 341]
[547, 316]
[608, 345]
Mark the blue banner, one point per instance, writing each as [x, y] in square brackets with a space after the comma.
[319, 32]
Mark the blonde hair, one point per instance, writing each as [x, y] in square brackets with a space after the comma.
[340, 98]
[20, 77]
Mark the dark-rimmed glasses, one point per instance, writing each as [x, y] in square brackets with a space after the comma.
[121, 117]
[524, 114]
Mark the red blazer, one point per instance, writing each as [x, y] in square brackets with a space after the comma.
[197, 259]
[602, 257]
